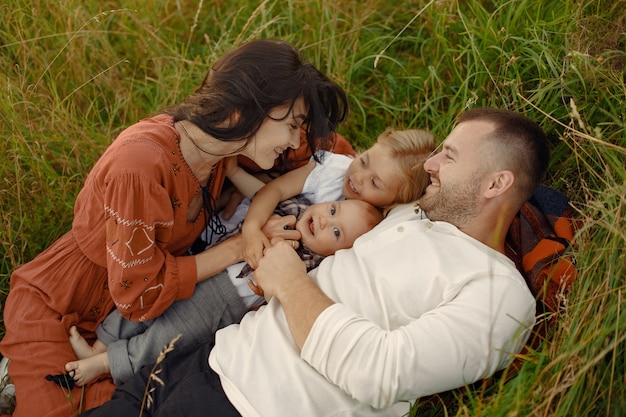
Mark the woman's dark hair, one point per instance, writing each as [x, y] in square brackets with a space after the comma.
[253, 79]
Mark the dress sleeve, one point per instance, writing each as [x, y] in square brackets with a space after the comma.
[144, 277]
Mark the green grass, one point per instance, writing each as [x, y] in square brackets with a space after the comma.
[76, 73]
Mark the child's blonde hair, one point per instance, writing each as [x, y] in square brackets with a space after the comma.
[409, 148]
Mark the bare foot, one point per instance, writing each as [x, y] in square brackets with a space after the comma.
[86, 370]
[82, 349]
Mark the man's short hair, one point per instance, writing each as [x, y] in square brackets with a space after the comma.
[521, 145]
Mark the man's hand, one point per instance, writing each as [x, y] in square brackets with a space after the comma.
[282, 274]
[279, 266]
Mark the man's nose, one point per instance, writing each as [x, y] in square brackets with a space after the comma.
[431, 163]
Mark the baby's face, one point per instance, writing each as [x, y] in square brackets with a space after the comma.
[373, 177]
[328, 227]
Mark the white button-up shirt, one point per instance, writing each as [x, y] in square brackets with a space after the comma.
[420, 308]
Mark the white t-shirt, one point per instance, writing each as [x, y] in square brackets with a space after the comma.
[420, 308]
[325, 181]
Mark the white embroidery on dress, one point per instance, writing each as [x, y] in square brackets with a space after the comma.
[123, 306]
[126, 265]
[146, 241]
[135, 222]
[147, 290]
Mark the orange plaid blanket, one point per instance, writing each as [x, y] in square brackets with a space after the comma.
[540, 241]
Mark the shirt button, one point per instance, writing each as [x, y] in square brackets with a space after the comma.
[429, 225]
[400, 229]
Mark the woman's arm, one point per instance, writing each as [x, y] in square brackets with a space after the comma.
[227, 253]
[245, 182]
[145, 278]
[218, 257]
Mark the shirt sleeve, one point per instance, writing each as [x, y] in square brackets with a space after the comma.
[325, 181]
[455, 344]
[144, 278]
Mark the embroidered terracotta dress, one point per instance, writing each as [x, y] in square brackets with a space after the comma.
[125, 250]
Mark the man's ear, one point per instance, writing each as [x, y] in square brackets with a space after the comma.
[500, 182]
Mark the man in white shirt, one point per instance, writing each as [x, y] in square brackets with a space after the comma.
[425, 302]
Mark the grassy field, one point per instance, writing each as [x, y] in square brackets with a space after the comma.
[77, 72]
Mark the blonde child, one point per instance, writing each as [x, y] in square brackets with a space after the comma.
[389, 173]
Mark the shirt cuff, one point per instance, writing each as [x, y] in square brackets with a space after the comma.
[188, 276]
[323, 333]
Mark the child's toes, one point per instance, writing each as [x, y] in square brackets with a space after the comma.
[71, 367]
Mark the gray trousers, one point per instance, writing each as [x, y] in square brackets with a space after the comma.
[131, 345]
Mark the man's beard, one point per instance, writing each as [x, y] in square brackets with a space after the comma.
[456, 204]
